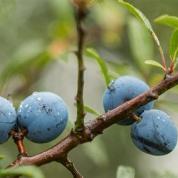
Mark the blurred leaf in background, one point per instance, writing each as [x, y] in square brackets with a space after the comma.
[27, 171]
[125, 172]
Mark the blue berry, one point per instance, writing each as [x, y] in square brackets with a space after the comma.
[8, 118]
[44, 115]
[155, 134]
[123, 89]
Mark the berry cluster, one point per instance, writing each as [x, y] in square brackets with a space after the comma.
[153, 132]
[43, 115]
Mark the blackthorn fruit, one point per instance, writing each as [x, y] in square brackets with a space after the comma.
[123, 89]
[44, 115]
[8, 118]
[155, 133]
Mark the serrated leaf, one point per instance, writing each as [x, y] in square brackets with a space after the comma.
[137, 13]
[139, 38]
[125, 172]
[173, 46]
[154, 63]
[29, 171]
[90, 110]
[103, 67]
[171, 21]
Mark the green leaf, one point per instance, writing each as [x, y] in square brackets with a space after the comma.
[90, 110]
[173, 47]
[137, 13]
[154, 63]
[171, 21]
[29, 171]
[125, 172]
[93, 54]
[139, 38]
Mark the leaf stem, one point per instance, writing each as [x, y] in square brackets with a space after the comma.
[163, 59]
[18, 137]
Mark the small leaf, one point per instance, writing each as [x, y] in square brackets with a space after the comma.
[137, 13]
[154, 63]
[29, 171]
[90, 110]
[93, 54]
[171, 21]
[173, 47]
[125, 172]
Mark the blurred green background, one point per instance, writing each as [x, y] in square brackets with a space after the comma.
[37, 40]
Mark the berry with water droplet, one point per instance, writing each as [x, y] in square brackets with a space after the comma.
[155, 133]
[124, 89]
[44, 115]
[8, 119]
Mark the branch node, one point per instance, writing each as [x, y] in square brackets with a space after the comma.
[135, 117]
[153, 95]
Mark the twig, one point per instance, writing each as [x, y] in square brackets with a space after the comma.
[70, 166]
[97, 126]
[80, 17]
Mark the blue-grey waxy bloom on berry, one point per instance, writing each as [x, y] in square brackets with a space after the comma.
[155, 133]
[8, 119]
[124, 89]
[44, 115]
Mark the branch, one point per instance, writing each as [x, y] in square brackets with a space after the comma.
[97, 126]
[80, 17]
[70, 166]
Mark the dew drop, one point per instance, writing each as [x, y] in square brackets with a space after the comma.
[39, 99]
[26, 106]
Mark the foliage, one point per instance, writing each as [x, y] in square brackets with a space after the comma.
[27, 171]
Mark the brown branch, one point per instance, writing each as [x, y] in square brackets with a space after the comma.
[97, 126]
[70, 166]
[81, 13]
